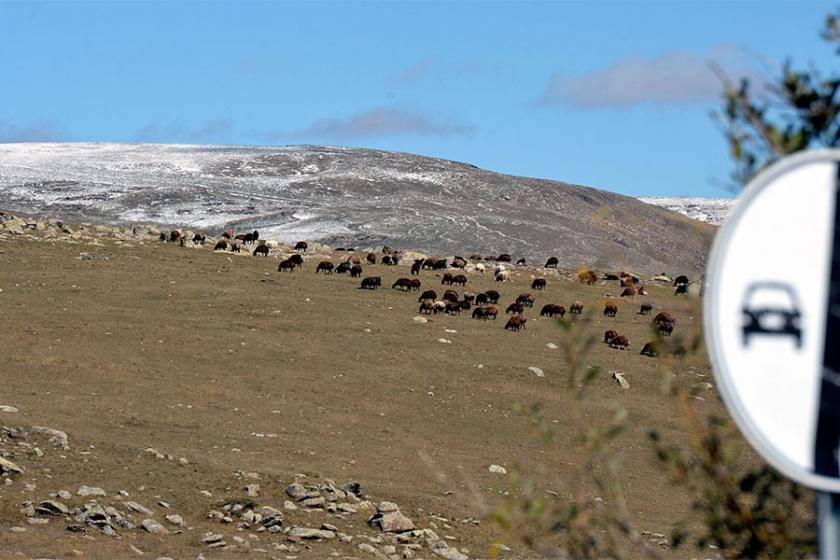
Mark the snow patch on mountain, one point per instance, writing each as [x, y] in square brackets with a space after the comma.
[709, 210]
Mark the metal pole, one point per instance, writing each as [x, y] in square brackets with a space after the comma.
[828, 525]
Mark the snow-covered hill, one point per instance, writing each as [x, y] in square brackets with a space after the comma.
[350, 197]
[710, 210]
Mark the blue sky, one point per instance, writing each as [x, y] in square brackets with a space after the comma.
[615, 95]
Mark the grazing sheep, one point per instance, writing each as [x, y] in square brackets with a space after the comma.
[493, 296]
[450, 295]
[482, 299]
[162, 237]
[490, 312]
[440, 265]
[403, 284]
[453, 308]
[447, 279]
[620, 342]
[234, 247]
[371, 258]
[552, 309]
[499, 268]
[428, 295]
[221, 245]
[199, 239]
[325, 266]
[415, 268]
[515, 308]
[552, 262]
[478, 313]
[645, 309]
[504, 257]
[343, 268]
[515, 323]
[609, 335]
[469, 296]
[503, 276]
[610, 309]
[355, 271]
[297, 259]
[479, 267]
[539, 284]
[521, 262]
[459, 280]
[665, 327]
[427, 307]
[526, 300]
[371, 282]
[608, 276]
[175, 235]
[629, 291]
[428, 263]
[682, 289]
[664, 316]
[651, 349]
[286, 264]
[414, 284]
[475, 257]
[681, 280]
[261, 250]
[439, 306]
[576, 308]
[459, 262]
[301, 246]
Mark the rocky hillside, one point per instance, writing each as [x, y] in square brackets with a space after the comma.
[349, 197]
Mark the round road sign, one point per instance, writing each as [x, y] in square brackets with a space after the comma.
[772, 316]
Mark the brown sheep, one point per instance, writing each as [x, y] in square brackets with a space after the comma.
[620, 342]
[459, 262]
[493, 296]
[651, 349]
[665, 327]
[447, 279]
[427, 307]
[297, 259]
[286, 264]
[415, 268]
[552, 309]
[301, 246]
[526, 300]
[428, 295]
[538, 284]
[504, 257]
[515, 308]
[587, 277]
[371, 283]
[490, 312]
[403, 284]
[414, 284]
[234, 247]
[478, 313]
[515, 323]
[355, 271]
[629, 291]
[221, 245]
[610, 309]
[664, 316]
[261, 250]
[453, 308]
[609, 335]
[459, 280]
[576, 308]
[371, 258]
[645, 309]
[325, 266]
[450, 295]
[552, 262]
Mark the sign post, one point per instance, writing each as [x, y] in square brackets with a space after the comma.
[772, 324]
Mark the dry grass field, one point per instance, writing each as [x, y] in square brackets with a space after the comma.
[256, 376]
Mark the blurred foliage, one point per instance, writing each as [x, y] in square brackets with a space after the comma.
[740, 508]
[795, 110]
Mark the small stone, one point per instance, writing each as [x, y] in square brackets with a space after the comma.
[7, 408]
[210, 538]
[307, 533]
[498, 469]
[175, 519]
[134, 506]
[317, 501]
[64, 494]
[551, 346]
[420, 320]
[90, 491]
[152, 526]
[296, 491]
[444, 341]
[17, 529]
[52, 507]
[57, 437]
[207, 493]
[290, 506]
[536, 371]
[8, 466]
[136, 550]
[252, 490]
[619, 378]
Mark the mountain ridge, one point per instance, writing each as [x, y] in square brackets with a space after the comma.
[349, 196]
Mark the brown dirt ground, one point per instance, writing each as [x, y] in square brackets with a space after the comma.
[192, 353]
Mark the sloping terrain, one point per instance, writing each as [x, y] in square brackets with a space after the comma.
[182, 377]
[351, 197]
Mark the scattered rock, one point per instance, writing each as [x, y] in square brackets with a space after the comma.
[7, 408]
[90, 491]
[306, 533]
[536, 371]
[551, 346]
[618, 376]
[175, 519]
[498, 469]
[7, 466]
[252, 490]
[152, 526]
[388, 519]
[134, 506]
[57, 437]
[52, 507]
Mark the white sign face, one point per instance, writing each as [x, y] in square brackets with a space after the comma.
[767, 316]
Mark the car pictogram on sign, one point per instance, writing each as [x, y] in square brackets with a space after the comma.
[771, 308]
